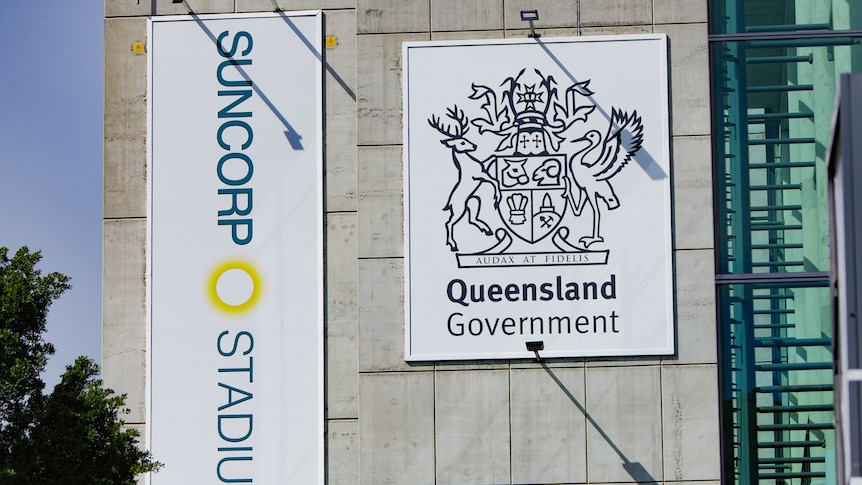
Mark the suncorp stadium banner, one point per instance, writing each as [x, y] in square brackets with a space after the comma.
[537, 198]
[235, 231]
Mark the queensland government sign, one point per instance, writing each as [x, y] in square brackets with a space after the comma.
[537, 198]
[235, 231]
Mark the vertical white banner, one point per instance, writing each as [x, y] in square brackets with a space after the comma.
[537, 198]
[235, 245]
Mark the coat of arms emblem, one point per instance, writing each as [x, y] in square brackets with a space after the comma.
[547, 164]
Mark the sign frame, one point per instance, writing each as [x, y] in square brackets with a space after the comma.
[244, 309]
[484, 97]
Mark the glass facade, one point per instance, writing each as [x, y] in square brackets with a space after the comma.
[763, 16]
[777, 383]
[774, 101]
[775, 69]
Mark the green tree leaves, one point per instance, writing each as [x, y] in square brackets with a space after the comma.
[74, 434]
[25, 295]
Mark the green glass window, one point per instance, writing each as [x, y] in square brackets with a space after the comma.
[775, 69]
[777, 395]
[759, 16]
[773, 117]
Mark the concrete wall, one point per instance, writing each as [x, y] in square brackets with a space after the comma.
[581, 420]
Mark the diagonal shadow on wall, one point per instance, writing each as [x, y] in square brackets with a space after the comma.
[294, 138]
[633, 468]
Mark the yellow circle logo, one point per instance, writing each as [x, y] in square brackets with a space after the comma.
[234, 286]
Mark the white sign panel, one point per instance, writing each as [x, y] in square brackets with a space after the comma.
[537, 198]
[235, 290]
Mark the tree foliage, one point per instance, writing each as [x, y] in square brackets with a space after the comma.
[75, 433]
[25, 295]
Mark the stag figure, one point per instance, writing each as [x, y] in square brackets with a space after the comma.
[472, 173]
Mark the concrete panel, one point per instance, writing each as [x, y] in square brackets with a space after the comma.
[127, 8]
[695, 307]
[550, 14]
[704, 482]
[619, 30]
[124, 365]
[520, 34]
[381, 202]
[615, 12]
[141, 441]
[472, 427]
[342, 276]
[691, 426]
[670, 483]
[390, 16]
[449, 15]
[573, 31]
[258, 5]
[396, 428]
[689, 63]
[124, 272]
[342, 325]
[484, 34]
[567, 363]
[267, 5]
[379, 87]
[680, 11]
[625, 403]
[342, 357]
[340, 105]
[166, 7]
[593, 13]
[315, 4]
[342, 452]
[692, 192]
[473, 365]
[342, 57]
[621, 361]
[125, 183]
[381, 315]
[124, 323]
[548, 429]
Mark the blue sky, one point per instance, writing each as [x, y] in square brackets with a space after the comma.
[51, 157]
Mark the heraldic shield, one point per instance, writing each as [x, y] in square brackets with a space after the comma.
[532, 190]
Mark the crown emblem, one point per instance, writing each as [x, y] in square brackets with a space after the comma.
[529, 96]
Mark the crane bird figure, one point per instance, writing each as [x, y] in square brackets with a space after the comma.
[591, 168]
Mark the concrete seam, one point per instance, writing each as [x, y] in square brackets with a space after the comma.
[586, 430]
[380, 258]
[434, 420]
[661, 417]
[124, 218]
[511, 454]
[653, 19]
[378, 145]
